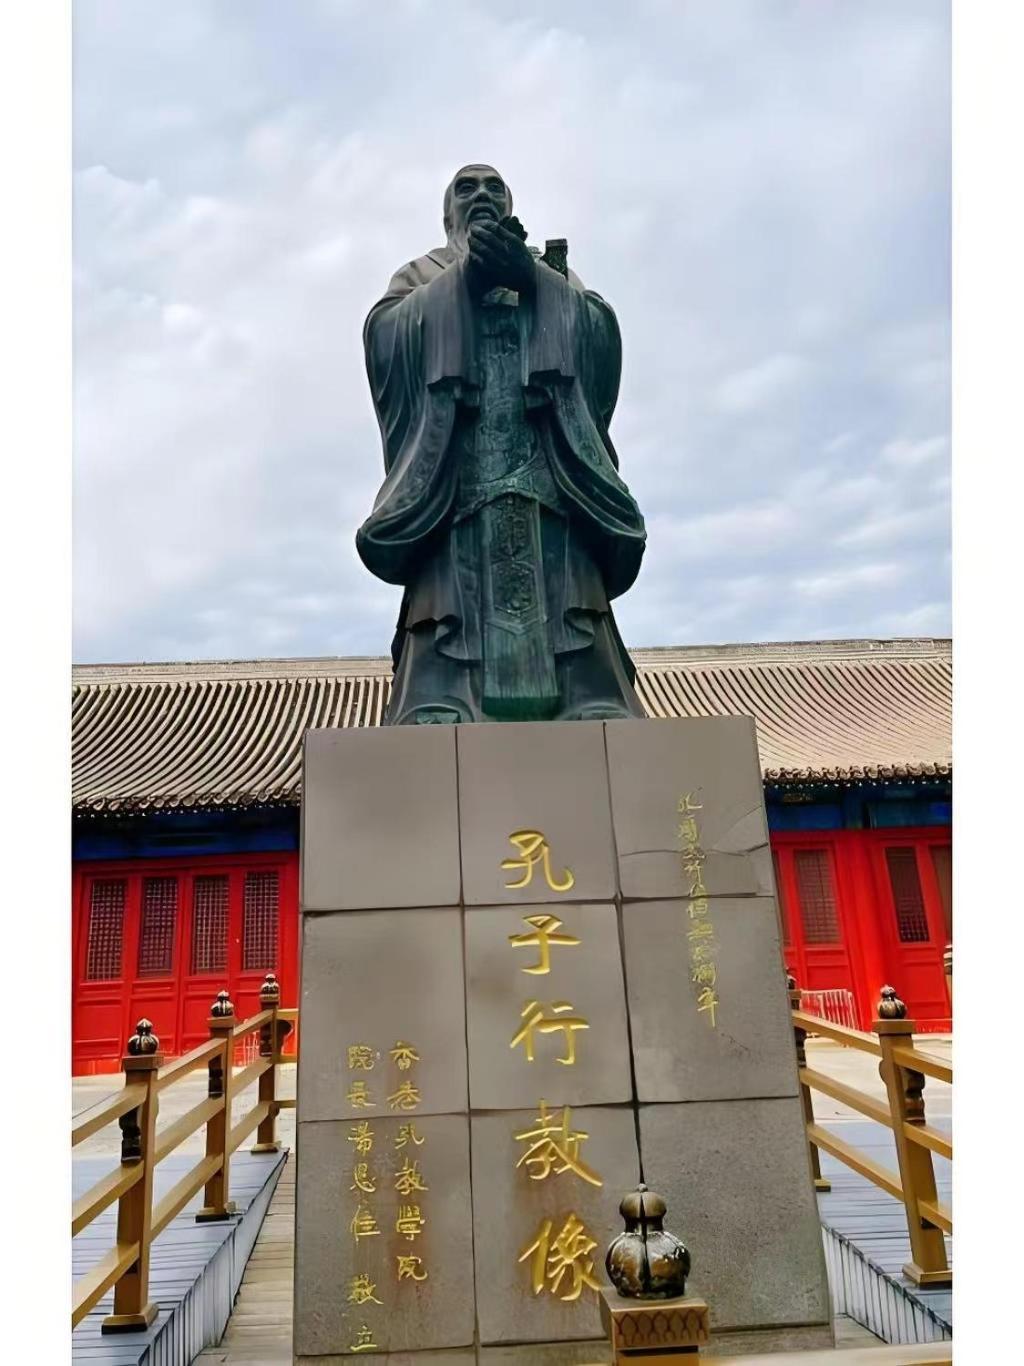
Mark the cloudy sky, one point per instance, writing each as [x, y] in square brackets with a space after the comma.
[760, 188]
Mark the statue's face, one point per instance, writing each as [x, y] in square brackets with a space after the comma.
[477, 194]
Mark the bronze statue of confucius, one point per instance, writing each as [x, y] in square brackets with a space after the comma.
[494, 377]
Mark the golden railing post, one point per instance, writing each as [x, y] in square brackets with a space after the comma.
[215, 1194]
[133, 1309]
[270, 1046]
[821, 1183]
[929, 1265]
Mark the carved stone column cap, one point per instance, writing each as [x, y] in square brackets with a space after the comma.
[890, 1007]
[222, 1006]
[270, 990]
[790, 981]
[143, 1042]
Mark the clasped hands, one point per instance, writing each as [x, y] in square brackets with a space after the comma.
[499, 256]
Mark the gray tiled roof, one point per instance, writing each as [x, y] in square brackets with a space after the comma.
[228, 733]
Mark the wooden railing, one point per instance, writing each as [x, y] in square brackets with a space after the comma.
[126, 1265]
[903, 1068]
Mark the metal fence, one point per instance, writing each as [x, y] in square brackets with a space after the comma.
[835, 1005]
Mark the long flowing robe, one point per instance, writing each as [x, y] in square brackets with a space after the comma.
[423, 355]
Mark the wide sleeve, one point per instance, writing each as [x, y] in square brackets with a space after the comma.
[413, 351]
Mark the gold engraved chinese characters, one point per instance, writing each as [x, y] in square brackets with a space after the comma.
[700, 933]
[411, 1269]
[361, 1290]
[535, 1019]
[362, 1136]
[409, 1222]
[534, 851]
[359, 1097]
[407, 1097]
[545, 933]
[361, 1179]
[554, 1148]
[364, 1341]
[408, 1179]
[568, 1254]
[366, 1177]
[363, 1224]
[404, 1055]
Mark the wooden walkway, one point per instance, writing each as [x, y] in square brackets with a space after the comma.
[259, 1332]
[871, 1245]
[194, 1268]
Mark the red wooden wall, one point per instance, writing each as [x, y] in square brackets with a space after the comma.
[866, 908]
[160, 937]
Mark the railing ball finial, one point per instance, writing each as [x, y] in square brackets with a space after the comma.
[143, 1042]
[222, 1006]
[270, 990]
[890, 1007]
[646, 1262]
[790, 980]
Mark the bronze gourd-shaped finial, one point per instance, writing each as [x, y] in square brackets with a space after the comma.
[143, 1042]
[222, 1007]
[646, 1262]
[890, 1007]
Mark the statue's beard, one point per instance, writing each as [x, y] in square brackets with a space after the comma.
[458, 235]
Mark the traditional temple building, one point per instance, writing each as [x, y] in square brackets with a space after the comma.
[186, 820]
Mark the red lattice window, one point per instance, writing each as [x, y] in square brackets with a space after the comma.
[259, 921]
[942, 862]
[159, 918]
[210, 924]
[783, 909]
[817, 896]
[908, 899]
[106, 931]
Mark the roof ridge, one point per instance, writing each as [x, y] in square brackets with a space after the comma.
[647, 657]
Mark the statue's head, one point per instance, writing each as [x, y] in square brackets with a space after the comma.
[476, 192]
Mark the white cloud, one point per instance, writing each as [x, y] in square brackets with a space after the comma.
[771, 229]
[758, 385]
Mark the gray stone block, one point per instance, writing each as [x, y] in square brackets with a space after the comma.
[379, 818]
[413, 1314]
[456, 1356]
[589, 1353]
[736, 1180]
[584, 984]
[373, 980]
[651, 767]
[512, 1202]
[677, 1054]
[551, 778]
[459, 1356]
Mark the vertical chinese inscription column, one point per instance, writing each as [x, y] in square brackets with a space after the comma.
[383, 1217]
[550, 1088]
[719, 1112]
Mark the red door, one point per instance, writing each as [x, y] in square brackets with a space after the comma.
[159, 940]
[912, 874]
[817, 922]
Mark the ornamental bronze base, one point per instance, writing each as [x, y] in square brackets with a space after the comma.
[651, 1332]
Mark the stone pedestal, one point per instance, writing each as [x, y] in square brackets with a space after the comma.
[654, 1332]
[540, 962]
